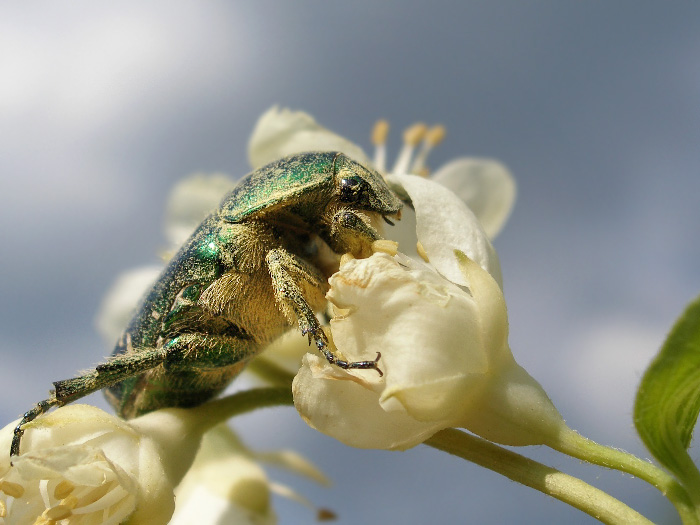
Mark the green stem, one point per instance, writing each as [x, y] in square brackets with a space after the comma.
[271, 372]
[552, 482]
[219, 410]
[690, 477]
[573, 444]
[687, 472]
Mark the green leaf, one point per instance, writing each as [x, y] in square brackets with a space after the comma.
[668, 400]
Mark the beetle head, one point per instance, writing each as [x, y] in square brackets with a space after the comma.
[363, 188]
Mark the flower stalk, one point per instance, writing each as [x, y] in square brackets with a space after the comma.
[575, 445]
[547, 480]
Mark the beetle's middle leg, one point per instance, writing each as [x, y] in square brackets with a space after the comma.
[286, 270]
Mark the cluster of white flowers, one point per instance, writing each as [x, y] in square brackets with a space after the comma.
[435, 311]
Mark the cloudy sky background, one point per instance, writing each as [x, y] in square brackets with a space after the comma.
[594, 106]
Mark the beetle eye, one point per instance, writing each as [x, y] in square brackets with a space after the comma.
[351, 189]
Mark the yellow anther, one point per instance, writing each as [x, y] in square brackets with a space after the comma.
[346, 258]
[94, 495]
[415, 134]
[57, 513]
[423, 171]
[326, 515]
[385, 246]
[41, 520]
[380, 132]
[435, 135]
[63, 489]
[70, 501]
[421, 251]
[14, 490]
[3, 509]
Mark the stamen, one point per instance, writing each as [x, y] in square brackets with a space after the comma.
[433, 137]
[94, 495]
[14, 490]
[436, 135]
[379, 134]
[70, 501]
[59, 512]
[326, 515]
[411, 138]
[3, 509]
[421, 251]
[44, 492]
[346, 258]
[415, 134]
[63, 489]
[385, 246]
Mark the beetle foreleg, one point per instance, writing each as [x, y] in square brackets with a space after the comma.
[283, 265]
[353, 233]
[288, 273]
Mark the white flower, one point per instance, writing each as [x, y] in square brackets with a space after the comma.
[190, 201]
[227, 484]
[282, 132]
[442, 332]
[485, 185]
[120, 301]
[81, 463]
[223, 486]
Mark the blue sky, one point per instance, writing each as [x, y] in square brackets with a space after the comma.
[594, 106]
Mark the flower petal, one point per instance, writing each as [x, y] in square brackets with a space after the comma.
[347, 408]
[435, 351]
[223, 483]
[445, 224]
[485, 185]
[121, 300]
[191, 201]
[282, 132]
[514, 410]
[107, 469]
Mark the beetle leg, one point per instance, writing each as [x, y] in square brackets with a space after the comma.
[66, 391]
[118, 368]
[345, 365]
[283, 265]
[40, 408]
[289, 273]
[192, 351]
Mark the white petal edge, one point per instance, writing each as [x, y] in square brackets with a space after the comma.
[339, 405]
[121, 300]
[485, 185]
[282, 132]
[444, 224]
[191, 201]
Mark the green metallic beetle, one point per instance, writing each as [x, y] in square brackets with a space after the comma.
[254, 266]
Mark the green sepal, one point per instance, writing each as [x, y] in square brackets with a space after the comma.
[668, 399]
